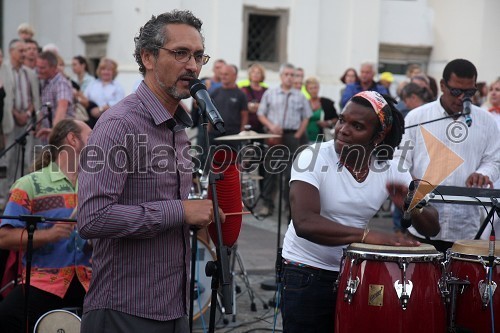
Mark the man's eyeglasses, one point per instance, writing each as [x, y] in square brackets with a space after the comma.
[457, 92]
[184, 56]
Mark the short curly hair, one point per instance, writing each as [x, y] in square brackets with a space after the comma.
[153, 34]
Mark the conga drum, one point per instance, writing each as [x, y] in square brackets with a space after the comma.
[476, 303]
[390, 289]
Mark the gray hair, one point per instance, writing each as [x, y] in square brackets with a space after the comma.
[286, 65]
[153, 34]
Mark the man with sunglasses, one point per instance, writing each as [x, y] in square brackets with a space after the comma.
[133, 201]
[470, 156]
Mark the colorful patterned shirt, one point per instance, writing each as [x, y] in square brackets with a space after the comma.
[49, 193]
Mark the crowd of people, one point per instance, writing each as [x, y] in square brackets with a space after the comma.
[127, 260]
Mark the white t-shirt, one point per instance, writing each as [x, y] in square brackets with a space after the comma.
[343, 200]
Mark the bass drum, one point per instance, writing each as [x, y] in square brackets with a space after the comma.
[58, 321]
[202, 284]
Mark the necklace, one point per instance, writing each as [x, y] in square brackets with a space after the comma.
[359, 175]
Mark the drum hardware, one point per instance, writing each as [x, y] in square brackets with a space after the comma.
[352, 285]
[487, 288]
[403, 289]
[457, 286]
[469, 263]
[379, 269]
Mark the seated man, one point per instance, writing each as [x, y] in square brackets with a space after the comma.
[60, 273]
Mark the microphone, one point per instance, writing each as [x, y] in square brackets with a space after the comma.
[406, 220]
[229, 196]
[491, 248]
[48, 105]
[199, 92]
[467, 104]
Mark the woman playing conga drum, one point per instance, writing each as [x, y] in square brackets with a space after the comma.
[336, 188]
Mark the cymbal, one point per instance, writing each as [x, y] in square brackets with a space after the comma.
[247, 135]
[251, 177]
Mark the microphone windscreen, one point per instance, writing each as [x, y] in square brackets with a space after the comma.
[196, 85]
[228, 192]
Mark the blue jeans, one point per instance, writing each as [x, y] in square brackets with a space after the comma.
[308, 300]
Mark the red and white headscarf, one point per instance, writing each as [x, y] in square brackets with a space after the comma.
[379, 106]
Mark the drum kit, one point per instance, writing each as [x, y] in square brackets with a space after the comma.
[415, 289]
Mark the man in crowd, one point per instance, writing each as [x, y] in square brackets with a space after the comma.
[474, 160]
[366, 82]
[284, 111]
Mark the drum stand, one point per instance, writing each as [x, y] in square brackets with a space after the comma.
[236, 257]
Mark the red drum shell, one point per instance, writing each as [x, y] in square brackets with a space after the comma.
[378, 269]
[464, 264]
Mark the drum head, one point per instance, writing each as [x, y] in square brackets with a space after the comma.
[475, 247]
[424, 252]
[422, 249]
[58, 321]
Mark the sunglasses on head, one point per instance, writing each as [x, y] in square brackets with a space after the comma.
[457, 92]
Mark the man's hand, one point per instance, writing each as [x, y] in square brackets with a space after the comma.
[59, 231]
[478, 180]
[200, 212]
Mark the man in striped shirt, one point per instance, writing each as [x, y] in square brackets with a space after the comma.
[134, 187]
[56, 90]
[284, 111]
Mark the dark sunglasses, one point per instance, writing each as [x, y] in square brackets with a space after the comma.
[457, 92]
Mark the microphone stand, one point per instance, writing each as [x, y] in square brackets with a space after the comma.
[21, 140]
[274, 284]
[219, 269]
[31, 222]
[456, 115]
[495, 207]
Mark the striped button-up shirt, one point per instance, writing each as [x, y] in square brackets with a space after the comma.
[133, 176]
[56, 89]
[276, 101]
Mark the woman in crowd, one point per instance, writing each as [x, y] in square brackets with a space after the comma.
[324, 113]
[357, 166]
[350, 76]
[81, 69]
[254, 92]
[104, 91]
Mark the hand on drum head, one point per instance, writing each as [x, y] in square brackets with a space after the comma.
[392, 239]
[200, 212]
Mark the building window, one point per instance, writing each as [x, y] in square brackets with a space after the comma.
[265, 37]
[395, 58]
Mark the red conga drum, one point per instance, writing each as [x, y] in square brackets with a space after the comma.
[471, 308]
[390, 289]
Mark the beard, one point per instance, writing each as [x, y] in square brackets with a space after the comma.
[172, 90]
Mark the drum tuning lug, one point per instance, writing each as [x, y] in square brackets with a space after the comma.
[350, 290]
[403, 290]
[484, 289]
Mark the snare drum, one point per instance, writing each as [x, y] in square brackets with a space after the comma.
[468, 268]
[390, 289]
[58, 321]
